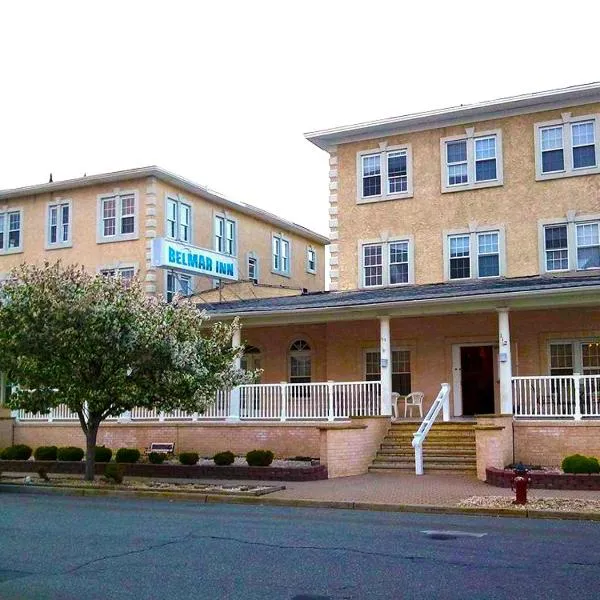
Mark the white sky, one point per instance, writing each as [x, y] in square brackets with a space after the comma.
[221, 92]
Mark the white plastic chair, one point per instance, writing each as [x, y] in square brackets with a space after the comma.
[413, 399]
[395, 399]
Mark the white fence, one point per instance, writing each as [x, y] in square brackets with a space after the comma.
[558, 396]
[281, 401]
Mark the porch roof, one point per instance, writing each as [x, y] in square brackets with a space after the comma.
[437, 298]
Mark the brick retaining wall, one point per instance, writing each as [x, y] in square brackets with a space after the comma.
[541, 481]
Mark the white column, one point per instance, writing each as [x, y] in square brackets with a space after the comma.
[504, 362]
[234, 407]
[385, 366]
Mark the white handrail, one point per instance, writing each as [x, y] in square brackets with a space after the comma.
[441, 402]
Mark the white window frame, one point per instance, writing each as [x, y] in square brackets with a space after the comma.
[180, 203]
[385, 257]
[59, 204]
[118, 236]
[571, 222]
[383, 151]
[566, 122]
[283, 240]
[577, 354]
[178, 277]
[471, 137]
[5, 213]
[226, 221]
[309, 269]
[473, 233]
[372, 350]
[253, 256]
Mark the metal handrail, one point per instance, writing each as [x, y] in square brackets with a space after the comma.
[441, 402]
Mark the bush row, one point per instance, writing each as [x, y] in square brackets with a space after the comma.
[254, 458]
[576, 463]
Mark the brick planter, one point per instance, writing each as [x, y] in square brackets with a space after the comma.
[545, 481]
[308, 473]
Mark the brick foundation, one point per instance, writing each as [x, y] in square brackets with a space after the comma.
[494, 442]
[539, 480]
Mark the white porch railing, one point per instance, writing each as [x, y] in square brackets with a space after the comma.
[281, 401]
[557, 396]
[440, 403]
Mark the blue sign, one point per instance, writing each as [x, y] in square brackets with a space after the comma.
[168, 254]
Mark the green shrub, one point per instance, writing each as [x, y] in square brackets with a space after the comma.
[70, 453]
[157, 458]
[188, 458]
[114, 472]
[127, 455]
[224, 458]
[45, 453]
[17, 452]
[576, 463]
[259, 458]
[103, 454]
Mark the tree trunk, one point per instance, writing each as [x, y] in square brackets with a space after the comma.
[90, 451]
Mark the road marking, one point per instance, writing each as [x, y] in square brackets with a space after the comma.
[449, 534]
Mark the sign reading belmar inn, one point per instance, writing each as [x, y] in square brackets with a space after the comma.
[169, 254]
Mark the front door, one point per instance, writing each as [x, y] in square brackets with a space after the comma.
[477, 379]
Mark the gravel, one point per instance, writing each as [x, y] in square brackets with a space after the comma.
[555, 504]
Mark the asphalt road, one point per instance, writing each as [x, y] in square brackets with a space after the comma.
[99, 548]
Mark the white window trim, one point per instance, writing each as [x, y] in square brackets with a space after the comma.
[57, 245]
[185, 275]
[571, 221]
[383, 150]
[385, 276]
[409, 349]
[566, 121]
[281, 237]
[308, 269]
[577, 354]
[226, 217]
[253, 255]
[118, 237]
[179, 200]
[470, 136]
[473, 232]
[17, 250]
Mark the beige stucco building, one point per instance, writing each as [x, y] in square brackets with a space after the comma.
[107, 223]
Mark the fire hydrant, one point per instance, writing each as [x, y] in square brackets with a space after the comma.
[519, 484]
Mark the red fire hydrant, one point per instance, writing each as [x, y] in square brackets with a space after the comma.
[519, 484]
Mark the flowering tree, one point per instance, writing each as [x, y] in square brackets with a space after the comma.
[102, 348]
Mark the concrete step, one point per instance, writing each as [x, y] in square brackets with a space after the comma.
[427, 468]
[388, 451]
[391, 458]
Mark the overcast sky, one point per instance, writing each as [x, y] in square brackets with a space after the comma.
[222, 92]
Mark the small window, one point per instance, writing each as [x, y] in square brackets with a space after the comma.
[126, 274]
[384, 175]
[311, 260]
[460, 257]
[225, 236]
[281, 255]
[118, 217]
[457, 162]
[557, 248]
[373, 265]
[576, 356]
[300, 362]
[588, 246]
[561, 359]
[488, 255]
[584, 145]
[590, 358]
[59, 224]
[179, 220]
[553, 158]
[485, 159]
[475, 254]
[398, 262]
[10, 231]
[401, 372]
[386, 263]
[253, 269]
[371, 175]
[177, 283]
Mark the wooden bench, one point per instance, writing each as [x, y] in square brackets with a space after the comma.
[161, 447]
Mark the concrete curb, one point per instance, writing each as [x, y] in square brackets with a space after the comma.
[201, 498]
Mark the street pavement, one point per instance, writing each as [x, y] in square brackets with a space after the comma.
[107, 548]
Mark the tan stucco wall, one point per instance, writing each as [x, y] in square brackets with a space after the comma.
[518, 204]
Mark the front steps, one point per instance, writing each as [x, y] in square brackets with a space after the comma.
[448, 448]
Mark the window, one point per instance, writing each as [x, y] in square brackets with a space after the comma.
[571, 246]
[11, 233]
[177, 283]
[401, 377]
[474, 254]
[59, 225]
[225, 236]
[311, 260]
[179, 220]
[471, 161]
[386, 263]
[300, 362]
[253, 268]
[281, 255]
[251, 359]
[118, 220]
[577, 356]
[385, 174]
[126, 274]
[567, 147]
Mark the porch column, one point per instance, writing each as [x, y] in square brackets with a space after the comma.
[504, 362]
[234, 407]
[385, 365]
